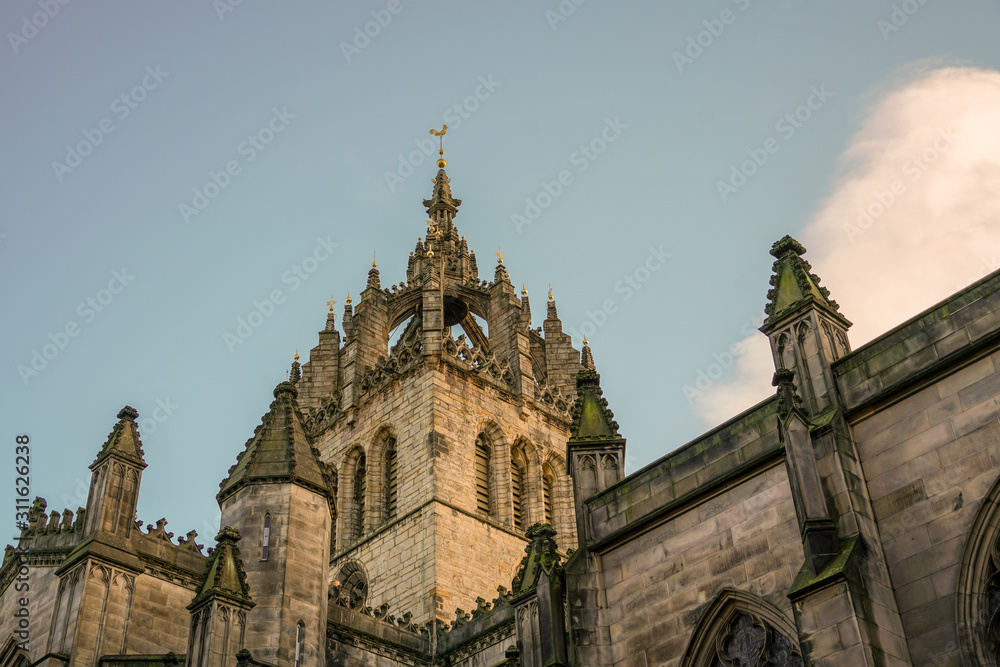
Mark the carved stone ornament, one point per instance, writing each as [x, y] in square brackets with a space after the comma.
[749, 641]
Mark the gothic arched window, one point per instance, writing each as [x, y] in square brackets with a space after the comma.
[742, 630]
[979, 586]
[482, 467]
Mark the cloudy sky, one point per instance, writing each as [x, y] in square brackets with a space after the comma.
[169, 167]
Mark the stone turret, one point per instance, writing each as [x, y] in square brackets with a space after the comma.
[596, 452]
[278, 497]
[804, 326]
[116, 472]
[220, 607]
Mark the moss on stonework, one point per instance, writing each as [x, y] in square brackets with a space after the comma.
[805, 580]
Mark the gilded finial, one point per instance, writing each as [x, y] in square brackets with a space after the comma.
[585, 341]
[331, 303]
[524, 290]
[348, 300]
[440, 135]
[374, 264]
[499, 255]
[296, 357]
[550, 293]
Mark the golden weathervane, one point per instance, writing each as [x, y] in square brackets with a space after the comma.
[440, 135]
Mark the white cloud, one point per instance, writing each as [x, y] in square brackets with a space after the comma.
[885, 256]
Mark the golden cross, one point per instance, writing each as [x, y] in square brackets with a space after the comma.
[499, 255]
[330, 303]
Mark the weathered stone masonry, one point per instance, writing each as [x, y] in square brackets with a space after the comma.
[458, 499]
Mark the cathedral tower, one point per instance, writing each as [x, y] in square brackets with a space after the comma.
[445, 448]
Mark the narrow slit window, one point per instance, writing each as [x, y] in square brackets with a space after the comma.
[265, 541]
[299, 636]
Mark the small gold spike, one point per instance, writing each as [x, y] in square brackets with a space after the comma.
[331, 303]
[499, 255]
[524, 290]
[296, 354]
[374, 264]
[348, 301]
[550, 293]
[585, 341]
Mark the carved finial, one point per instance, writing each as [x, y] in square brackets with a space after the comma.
[331, 303]
[440, 135]
[296, 357]
[348, 300]
[524, 290]
[550, 293]
[499, 255]
[788, 400]
[374, 263]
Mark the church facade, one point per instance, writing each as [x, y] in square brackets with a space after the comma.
[416, 497]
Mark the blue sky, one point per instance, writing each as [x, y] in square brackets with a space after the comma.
[178, 162]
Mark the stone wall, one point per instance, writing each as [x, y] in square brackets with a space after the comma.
[925, 402]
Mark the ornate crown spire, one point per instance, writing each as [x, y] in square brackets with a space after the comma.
[442, 206]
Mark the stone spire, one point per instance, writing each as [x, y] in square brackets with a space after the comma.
[224, 575]
[295, 374]
[794, 285]
[592, 419]
[442, 207]
[279, 451]
[123, 441]
[587, 357]
[373, 277]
